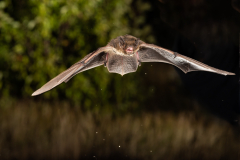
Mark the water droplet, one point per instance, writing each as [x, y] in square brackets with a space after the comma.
[96, 132]
[119, 146]
[145, 73]
[103, 139]
[150, 151]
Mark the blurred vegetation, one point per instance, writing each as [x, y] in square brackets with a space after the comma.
[46, 37]
[58, 131]
[39, 39]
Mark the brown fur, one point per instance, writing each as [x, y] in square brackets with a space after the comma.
[121, 43]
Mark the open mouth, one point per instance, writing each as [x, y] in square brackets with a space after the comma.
[129, 50]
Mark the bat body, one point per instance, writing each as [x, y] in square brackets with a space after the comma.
[123, 55]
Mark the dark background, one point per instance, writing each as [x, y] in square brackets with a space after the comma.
[157, 112]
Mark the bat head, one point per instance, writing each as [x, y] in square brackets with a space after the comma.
[129, 45]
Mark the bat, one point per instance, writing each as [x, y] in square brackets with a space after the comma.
[123, 55]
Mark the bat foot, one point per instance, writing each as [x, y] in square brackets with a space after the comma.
[139, 63]
[105, 64]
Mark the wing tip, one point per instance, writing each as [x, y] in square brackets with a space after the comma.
[229, 73]
[39, 91]
[225, 73]
[36, 93]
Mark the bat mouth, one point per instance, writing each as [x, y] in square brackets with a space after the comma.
[129, 50]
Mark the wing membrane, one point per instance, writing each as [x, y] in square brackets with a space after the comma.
[153, 53]
[92, 60]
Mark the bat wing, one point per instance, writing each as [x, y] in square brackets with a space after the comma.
[91, 60]
[153, 53]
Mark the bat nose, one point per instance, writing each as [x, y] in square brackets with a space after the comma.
[129, 49]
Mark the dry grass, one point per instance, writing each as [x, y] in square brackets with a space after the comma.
[43, 131]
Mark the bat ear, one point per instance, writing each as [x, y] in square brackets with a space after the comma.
[137, 41]
[121, 41]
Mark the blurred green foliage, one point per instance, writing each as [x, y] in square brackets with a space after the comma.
[41, 38]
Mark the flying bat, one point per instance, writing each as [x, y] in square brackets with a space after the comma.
[123, 55]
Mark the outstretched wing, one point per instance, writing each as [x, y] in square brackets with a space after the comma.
[153, 53]
[91, 60]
